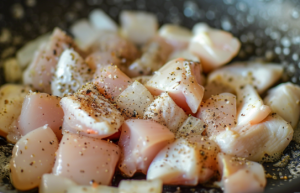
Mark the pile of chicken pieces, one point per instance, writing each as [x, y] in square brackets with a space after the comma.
[138, 99]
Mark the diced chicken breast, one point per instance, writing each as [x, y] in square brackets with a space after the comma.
[183, 54]
[191, 126]
[200, 27]
[38, 110]
[214, 47]
[134, 100]
[51, 183]
[165, 111]
[284, 100]
[111, 81]
[89, 113]
[140, 141]
[71, 73]
[185, 162]
[86, 160]
[125, 50]
[92, 189]
[261, 142]
[98, 60]
[154, 56]
[137, 186]
[240, 175]
[250, 108]
[181, 79]
[142, 79]
[101, 21]
[39, 73]
[179, 37]
[215, 88]
[138, 26]
[218, 112]
[11, 100]
[32, 156]
[261, 76]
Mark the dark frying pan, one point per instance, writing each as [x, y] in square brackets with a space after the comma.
[269, 29]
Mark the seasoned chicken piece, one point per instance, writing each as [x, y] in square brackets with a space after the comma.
[183, 54]
[32, 156]
[140, 141]
[154, 56]
[11, 100]
[89, 113]
[71, 74]
[38, 110]
[92, 189]
[284, 100]
[250, 108]
[218, 112]
[181, 79]
[102, 22]
[99, 60]
[125, 50]
[142, 79]
[185, 162]
[261, 142]
[39, 73]
[86, 160]
[179, 37]
[165, 111]
[214, 47]
[191, 126]
[240, 175]
[138, 26]
[111, 81]
[134, 100]
[137, 186]
[51, 183]
[215, 88]
[261, 76]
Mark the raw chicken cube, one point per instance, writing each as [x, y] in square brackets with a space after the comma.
[92, 189]
[185, 162]
[71, 74]
[99, 60]
[214, 47]
[86, 160]
[137, 186]
[89, 113]
[134, 100]
[261, 76]
[284, 100]
[250, 108]
[183, 54]
[140, 141]
[218, 112]
[261, 142]
[165, 111]
[102, 22]
[181, 79]
[32, 156]
[139, 27]
[191, 126]
[51, 183]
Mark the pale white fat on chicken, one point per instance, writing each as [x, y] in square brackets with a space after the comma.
[111, 81]
[181, 79]
[154, 56]
[86, 160]
[165, 111]
[89, 113]
[38, 110]
[32, 156]
[261, 142]
[134, 100]
[39, 73]
[214, 47]
[250, 107]
[284, 100]
[71, 73]
[11, 100]
[137, 186]
[240, 175]
[138, 26]
[51, 183]
[186, 161]
[140, 141]
[218, 112]
[179, 37]
[260, 75]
